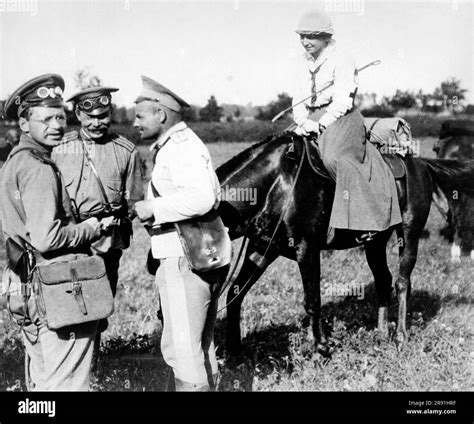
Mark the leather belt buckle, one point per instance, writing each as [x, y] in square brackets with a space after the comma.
[156, 230]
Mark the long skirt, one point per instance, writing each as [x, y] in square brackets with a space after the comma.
[366, 195]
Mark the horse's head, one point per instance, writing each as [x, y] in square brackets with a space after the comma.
[456, 140]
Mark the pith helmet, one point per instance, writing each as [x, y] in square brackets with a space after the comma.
[315, 22]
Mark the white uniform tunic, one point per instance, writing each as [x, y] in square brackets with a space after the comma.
[183, 175]
[185, 179]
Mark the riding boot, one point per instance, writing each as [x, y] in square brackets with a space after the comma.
[183, 386]
[170, 384]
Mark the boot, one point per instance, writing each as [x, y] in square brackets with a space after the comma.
[183, 386]
[170, 385]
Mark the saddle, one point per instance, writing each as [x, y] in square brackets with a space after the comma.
[395, 162]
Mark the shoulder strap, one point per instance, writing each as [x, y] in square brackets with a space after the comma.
[39, 156]
[123, 142]
[108, 206]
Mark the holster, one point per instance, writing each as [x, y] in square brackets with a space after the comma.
[18, 258]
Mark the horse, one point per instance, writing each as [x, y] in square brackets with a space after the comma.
[290, 215]
[456, 141]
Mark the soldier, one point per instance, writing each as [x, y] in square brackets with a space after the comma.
[36, 209]
[188, 187]
[362, 202]
[103, 177]
[102, 173]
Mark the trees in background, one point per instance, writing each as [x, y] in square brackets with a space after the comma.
[212, 112]
[84, 79]
[266, 113]
[448, 98]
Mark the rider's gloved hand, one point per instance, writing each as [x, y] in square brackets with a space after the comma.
[309, 126]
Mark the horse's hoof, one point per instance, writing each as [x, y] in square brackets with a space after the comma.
[234, 360]
[382, 333]
[323, 349]
[455, 253]
[400, 340]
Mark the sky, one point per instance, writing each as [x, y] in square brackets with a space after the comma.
[241, 51]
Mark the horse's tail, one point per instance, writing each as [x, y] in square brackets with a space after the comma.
[452, 175]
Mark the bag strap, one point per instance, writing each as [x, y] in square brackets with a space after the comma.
[77, 291]
[40, 156]
[108, 206]
[154, 191]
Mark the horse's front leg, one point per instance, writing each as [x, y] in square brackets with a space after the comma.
[310, 269]
[251, 270]
[408, 255]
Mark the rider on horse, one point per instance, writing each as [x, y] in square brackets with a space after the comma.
[366, 196]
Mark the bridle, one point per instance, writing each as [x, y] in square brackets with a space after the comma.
[280, 220]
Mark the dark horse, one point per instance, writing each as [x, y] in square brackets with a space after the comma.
[299, 211]
[456, 141]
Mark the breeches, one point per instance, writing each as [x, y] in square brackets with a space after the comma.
[58, 360]
[189, 306]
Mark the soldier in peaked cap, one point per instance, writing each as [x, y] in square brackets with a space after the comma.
[36, 210]
[362, 204]
[183, 185]
[103, 176]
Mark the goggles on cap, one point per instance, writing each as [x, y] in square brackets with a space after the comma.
[45, 92]
[89, 104]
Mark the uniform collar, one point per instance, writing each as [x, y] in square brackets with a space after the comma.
[180, 126]
[27, 141]
[89, 140]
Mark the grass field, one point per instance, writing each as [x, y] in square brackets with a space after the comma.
[278, 353]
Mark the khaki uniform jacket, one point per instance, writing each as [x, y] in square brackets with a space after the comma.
[36, 207]
[117, 163]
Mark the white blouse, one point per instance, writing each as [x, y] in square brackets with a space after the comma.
[334, 66]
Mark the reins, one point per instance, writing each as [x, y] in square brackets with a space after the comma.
[280, 219]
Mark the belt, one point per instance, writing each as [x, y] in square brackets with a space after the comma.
[156, 230]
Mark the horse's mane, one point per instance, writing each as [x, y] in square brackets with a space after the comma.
[227, 167]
